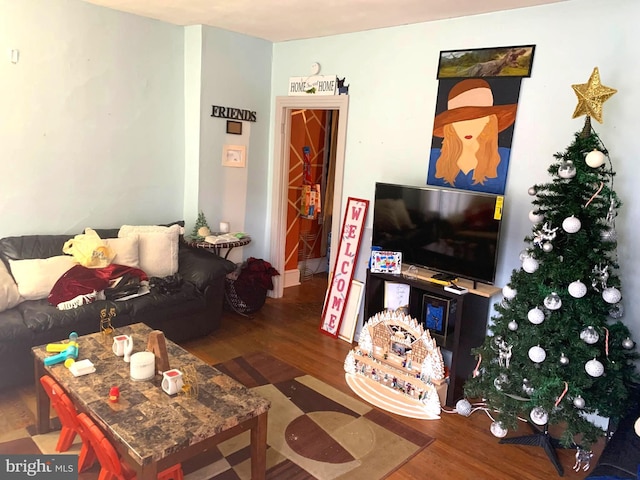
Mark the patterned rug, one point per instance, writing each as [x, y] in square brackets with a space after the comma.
[314, 432]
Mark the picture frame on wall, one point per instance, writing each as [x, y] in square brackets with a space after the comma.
[515, 61]
[234, 128]
[234, 156]
[438, 315]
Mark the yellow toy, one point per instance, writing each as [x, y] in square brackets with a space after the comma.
[67, 352]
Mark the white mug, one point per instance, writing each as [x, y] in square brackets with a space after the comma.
[224, 227]
[119, 344]
[172, 381]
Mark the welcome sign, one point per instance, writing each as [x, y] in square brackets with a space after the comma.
[344, 267]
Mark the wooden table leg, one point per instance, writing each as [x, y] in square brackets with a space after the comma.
[43, 404]
[259, 448]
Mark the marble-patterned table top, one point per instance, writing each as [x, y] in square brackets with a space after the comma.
[151, 423]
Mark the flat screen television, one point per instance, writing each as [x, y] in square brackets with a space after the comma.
[455, 232]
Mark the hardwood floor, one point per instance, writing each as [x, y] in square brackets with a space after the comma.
[288, 328]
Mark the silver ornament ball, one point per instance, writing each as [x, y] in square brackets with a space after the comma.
[617, 311]
[535, 216]
[539, 416]
[611, 295]
[547, 247]
[589, 335]
[513, 325]
[579, 402]
[553, 301]
[463, 407]
[564, 360]
[627, 344]
[532, 191]
[498, 430]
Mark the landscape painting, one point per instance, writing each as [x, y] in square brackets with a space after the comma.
[487, 62]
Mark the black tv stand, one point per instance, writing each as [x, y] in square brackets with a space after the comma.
[470, 323]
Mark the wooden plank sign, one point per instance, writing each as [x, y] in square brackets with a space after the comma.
[344, 268]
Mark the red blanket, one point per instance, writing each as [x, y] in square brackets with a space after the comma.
[79, 280]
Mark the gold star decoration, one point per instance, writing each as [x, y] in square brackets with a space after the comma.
[591, 96]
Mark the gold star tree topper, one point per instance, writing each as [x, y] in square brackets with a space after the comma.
[591, 96]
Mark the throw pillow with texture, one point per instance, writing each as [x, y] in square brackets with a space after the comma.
[157, 247]
[9, 294]
[36, 277]
[126, 250]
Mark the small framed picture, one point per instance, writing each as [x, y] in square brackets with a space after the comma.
[234, 128]
[234, 156]
[438, 314]
[386, 262]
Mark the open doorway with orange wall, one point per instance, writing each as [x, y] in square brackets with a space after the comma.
[311, 168]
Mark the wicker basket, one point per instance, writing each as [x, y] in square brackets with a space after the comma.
[243, 300]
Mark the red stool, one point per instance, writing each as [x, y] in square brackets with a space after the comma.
[112, 467]
[68, 416]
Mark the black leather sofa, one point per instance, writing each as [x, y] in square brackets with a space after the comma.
[190, 311]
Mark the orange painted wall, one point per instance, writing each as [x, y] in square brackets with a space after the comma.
[307, 129]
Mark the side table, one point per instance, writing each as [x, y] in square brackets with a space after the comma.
[218, 247]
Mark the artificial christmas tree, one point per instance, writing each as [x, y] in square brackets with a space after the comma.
[200, 229]
[557, 350]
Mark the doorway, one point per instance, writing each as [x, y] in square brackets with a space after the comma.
[284, 107]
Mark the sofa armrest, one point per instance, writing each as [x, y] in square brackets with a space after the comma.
[201, 267]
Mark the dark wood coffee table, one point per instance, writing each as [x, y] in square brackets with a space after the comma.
[149, 428]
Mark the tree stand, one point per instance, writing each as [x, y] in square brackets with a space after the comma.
[540, 438]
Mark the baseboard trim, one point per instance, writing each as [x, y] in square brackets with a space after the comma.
[291, 278]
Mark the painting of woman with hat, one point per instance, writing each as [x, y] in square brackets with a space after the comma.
[472, 135]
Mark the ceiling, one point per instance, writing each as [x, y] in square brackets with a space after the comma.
[281, 20]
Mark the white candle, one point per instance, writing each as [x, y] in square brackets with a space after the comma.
[224, 227]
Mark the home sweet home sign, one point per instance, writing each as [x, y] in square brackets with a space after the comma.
[344, 267]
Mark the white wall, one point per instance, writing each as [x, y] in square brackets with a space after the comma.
[393, 87]
[91, 118]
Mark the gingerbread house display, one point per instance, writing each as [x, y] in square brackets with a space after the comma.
[395, 351]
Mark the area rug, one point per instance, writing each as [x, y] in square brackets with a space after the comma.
[315, 432]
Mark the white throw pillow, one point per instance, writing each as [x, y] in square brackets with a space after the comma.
[36, 277]
[126, 250]
[9, 294]
[157, 247]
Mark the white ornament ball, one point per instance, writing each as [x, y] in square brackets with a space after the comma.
[594, 368]
[595, 158]
[524, 254]
[578, 402]
[532, 191]
[530, 265]
[577, 289]
[535, 216]
[463, 407]
[508, 292]
[498, 430]
[571, 224]
[535, 316]
[553, 301]
[537, 354]
[611, 295]
[547, 247]
[513, 325]
[564, 360]
[627, 344]
[539, 416]
[589, 335]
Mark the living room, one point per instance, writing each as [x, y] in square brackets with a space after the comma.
[106, 115]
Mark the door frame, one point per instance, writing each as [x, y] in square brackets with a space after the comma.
[280, 177]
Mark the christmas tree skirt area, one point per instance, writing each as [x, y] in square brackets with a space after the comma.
[391, 400]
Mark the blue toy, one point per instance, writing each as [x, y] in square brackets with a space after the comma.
[67, 352]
